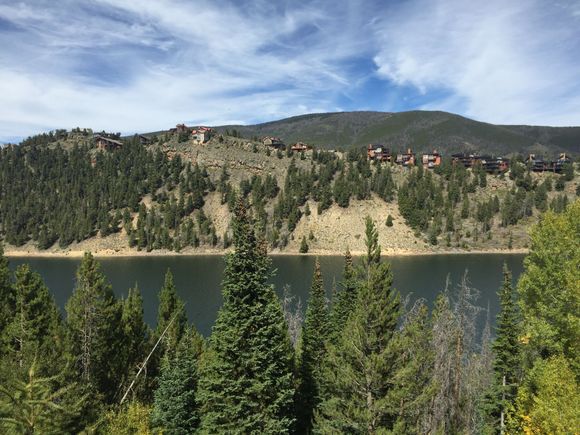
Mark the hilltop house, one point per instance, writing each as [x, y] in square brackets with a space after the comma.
[274, 142]
[493, 165]
[107, 144]
[144, 140]
[300, 146]
[406, 159]
[201, 135]
[378, 151]
[431, 160]
[537, 164]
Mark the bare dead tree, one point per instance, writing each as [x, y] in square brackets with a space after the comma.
[292, 307]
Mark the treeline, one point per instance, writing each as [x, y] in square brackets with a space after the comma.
[49, 195]
[367, 363]
[53, 195]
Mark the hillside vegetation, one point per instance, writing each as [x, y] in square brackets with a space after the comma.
[65, 195]
[420, 130]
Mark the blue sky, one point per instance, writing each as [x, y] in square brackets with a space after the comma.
[136, 66]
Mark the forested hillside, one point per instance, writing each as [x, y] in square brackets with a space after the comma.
[60, 192]
[366, 363]
[421, 130]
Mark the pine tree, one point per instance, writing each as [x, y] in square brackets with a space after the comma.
[412, 387]
[35, 329]
[135, 336]
[170, 306]
[246, 383]
[94, 330]
[507, 358]
[359, 373]
[175, 409]
[344, 299]
[33, 405]
[313, 345]
[303, 246]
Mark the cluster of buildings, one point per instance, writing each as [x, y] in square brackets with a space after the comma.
[381, 153]
[488, 163]
[199, 135]
[277, 144]
[431, 160]
[537, 164]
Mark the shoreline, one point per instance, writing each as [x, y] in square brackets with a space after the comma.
[162, 253]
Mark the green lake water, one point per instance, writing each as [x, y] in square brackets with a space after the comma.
[198, 278]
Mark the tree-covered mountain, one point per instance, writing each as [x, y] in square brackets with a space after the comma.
[420, 130]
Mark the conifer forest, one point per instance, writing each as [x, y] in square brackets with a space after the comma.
[364, 361]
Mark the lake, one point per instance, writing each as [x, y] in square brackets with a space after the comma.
[198, 278]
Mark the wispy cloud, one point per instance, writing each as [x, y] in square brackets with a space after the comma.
[140, 66]
[498, 61]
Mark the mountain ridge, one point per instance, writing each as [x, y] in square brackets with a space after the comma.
[420, 130]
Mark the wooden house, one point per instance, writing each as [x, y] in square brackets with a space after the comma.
[558, 165]
[467, 160]
[493, 165]
[144, 140]
[300, 146]
[378, 151]
[107, 144]
[201, 135]
[274, 142]
[406, 159]
[431, 160]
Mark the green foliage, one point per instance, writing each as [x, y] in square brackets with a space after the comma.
[389, 222]
[246, 382]
[313, 341]
[131, 419]
[549, 288]
[303, 246]
[94, 330]
[507, 363]
[344, 300]
[175, 409]
[35, 329]
[170, 307]
[358, 377]
[33, 405]
[548, 399]
[7, 303]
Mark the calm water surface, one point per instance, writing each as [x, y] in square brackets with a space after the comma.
[198, 278]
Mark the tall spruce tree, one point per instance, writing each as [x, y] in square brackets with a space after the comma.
[313, 348]
[170, 306]
[507, 355]
[246, 383]
[135, 339]
[94, 330]
[35, 331]
[176, 410]
[344, 299]
[358, 377]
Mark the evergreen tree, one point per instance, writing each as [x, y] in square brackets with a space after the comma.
[507, 360]
[344, 299]
[135, 337]
[170, 306]
[175, 409]
[33, 405]
[94, 330]
[413, 390]
[313, 346]
[35, 329]
[246, 383]
[303, 246]
[358, 378]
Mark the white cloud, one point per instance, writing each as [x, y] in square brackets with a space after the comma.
[498, 61]
[128, 66]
